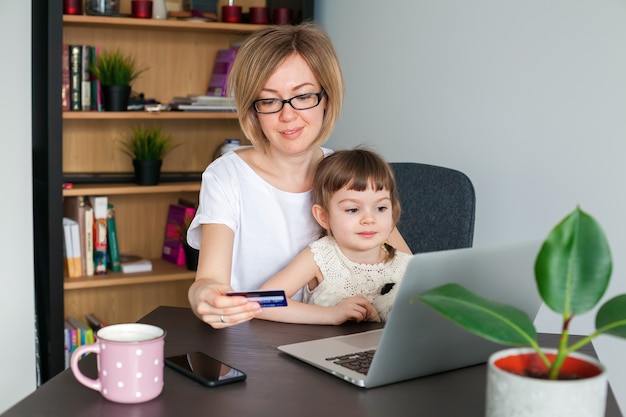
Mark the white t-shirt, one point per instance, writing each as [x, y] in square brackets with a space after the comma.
[271, 226]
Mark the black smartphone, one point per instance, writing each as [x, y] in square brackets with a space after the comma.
[204, 369]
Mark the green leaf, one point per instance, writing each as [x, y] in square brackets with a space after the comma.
[611, 317]
[574, 265]
[148, 143]
[491, 320]
[115, 68]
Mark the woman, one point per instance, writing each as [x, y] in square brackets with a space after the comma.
[254, 214]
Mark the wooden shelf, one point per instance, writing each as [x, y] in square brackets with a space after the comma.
[171, 24]
[147, 115]
[162, 271]
[179, 56]
[130, 189]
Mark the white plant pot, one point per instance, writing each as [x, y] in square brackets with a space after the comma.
[512, 395]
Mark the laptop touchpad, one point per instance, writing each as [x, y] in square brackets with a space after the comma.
[363, 340]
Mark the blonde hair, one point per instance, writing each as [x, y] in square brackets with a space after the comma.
[355, 169]
[266, 49]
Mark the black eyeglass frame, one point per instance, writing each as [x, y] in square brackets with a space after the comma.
[319, 96]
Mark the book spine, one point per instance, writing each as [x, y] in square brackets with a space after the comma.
[94, 322]
[100, 205]
[74, 340]
[65, 83]
[74, 208]
[67, 343]
[89, 266]
[112, 244]
[86, 78]
[76, 98]
[72, 258]
[76, 248]
[96, 98]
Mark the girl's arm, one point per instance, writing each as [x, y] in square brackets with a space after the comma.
[296, 275]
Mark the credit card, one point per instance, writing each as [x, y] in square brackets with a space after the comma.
[266, 298]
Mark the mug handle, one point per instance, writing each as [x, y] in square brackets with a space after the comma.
[94, 384]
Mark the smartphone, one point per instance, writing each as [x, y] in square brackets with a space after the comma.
[204, 369]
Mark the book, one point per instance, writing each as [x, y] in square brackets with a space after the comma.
[94, 322]
[113, 251]
[100, 205]
[86, 78]
[72, 250]
[71, 339]
[221, 67]
[133, 263]
[68, 346]
[203, 103]
[76, 77]
[74, 208]
[84, 333]
[96, 92]
[89, 266]
[178, 219]
[65, 78]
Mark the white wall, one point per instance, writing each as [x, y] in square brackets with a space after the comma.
[17, 304]
[527, 97]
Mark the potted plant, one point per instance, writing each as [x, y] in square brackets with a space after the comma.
[116, 72]
[147, 146]
[572, 272]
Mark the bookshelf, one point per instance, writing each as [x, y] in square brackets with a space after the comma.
[179, 56]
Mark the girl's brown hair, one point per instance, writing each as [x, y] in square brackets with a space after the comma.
[355, 169]
[260, 55]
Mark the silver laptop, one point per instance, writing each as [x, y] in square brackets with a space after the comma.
[417, 341]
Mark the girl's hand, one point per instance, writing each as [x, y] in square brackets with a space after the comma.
[355, 308]
[217, 309]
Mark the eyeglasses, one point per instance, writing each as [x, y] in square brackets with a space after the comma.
[301, 102]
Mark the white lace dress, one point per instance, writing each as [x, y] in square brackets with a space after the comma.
[344, 278]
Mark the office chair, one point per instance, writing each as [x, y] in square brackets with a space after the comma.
[438, 207]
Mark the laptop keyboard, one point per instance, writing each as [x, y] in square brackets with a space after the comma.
[358, 362]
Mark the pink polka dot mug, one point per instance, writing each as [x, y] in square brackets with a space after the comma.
[130, 362]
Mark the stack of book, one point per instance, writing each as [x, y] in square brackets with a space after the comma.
[202, 103]
[80, 90]
[90, 236]
[78, 333]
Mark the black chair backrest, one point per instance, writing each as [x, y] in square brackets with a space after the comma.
[438, 207]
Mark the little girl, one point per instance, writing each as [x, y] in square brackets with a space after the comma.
[355, 202]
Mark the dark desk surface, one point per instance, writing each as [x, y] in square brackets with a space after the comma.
[277, 385]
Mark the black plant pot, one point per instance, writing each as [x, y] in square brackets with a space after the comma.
[191, 256]
[115, 97]
[147, 172]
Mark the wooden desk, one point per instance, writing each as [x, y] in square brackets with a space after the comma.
[277, 384]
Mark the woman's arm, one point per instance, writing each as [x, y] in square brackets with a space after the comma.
[397, 241]
[207, 295]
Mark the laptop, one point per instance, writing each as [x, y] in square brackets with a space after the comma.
[417, 341]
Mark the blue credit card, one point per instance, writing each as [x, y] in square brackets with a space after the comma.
[266, 298]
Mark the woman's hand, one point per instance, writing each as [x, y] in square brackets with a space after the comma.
[211, 304]
[355, 308]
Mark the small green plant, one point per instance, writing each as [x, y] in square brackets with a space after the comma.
[148, 144]
[572, 271]
[115, 68]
